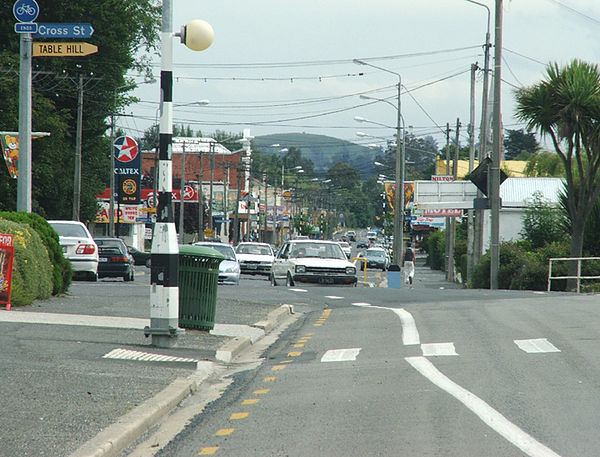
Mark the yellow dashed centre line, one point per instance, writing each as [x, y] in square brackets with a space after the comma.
[286, 361]
[298, 345]
[237, 416]
[224, 432]
[294, 354]
[278, 368]
[251, 401]
[261, 391]
[208, 450]
[269, 379]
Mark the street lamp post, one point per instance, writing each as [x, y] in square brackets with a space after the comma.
[400, 150]
[164, 292]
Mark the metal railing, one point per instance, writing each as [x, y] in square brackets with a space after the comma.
[578, 276]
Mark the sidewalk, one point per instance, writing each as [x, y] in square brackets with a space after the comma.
[70, 368]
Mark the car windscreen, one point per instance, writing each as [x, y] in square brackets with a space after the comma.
[375, 253]
[254, 250]
[318, 250]
[74, 230]
[224, 249]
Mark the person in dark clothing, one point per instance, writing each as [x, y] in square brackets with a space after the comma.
[408, 263]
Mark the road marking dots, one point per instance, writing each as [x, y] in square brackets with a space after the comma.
[208, 450]
[238, 416]
[536, 346]
[340, 355]
[224, 432]
[321, 320]
[438, 349]
[485, 412]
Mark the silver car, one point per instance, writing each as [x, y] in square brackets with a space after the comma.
[78, 246]
[229, 269]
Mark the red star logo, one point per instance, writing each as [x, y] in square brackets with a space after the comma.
[126, 149]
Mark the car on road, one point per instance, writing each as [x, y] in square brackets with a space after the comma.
[229, 269]
[351, 234]
[114, 260]
[139, 257]
[78, 247]
[346, 248]
[255, 258]
[362, 243]
[377, 258]
[312, 261]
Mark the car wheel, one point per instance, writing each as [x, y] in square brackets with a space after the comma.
[273, 280]
[93, 277]
[289, 281]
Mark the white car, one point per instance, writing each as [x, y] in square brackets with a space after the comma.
[78, 246]
[255, 258]
[346, 248]
[229, 269]
[312, 261]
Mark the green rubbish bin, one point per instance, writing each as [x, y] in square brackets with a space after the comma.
[198, 282]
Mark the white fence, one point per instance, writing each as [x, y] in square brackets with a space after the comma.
[578, 276]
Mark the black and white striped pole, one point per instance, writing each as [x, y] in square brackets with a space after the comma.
[164, 293]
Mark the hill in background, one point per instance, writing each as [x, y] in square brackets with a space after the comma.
[324, 151]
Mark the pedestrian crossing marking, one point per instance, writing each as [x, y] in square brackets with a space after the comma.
[340, 355]
[127, 354]
[438, 349]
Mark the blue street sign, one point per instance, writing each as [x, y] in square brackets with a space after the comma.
[26, 27]
[64, 30]
[26, 10]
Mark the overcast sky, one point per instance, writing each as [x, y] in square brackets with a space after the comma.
[286, 65]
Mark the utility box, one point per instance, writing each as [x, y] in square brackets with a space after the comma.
[394, 276]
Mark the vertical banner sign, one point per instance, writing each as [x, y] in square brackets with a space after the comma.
[128, 173]
[7, 253]
[10, 151]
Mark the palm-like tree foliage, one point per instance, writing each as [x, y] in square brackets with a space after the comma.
[565, 106]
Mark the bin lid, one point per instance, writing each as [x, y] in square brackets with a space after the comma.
[200, 251]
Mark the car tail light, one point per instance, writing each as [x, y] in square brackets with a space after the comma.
[86, 249]
[119, 259]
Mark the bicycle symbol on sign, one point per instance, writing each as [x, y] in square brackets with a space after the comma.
[27, 10]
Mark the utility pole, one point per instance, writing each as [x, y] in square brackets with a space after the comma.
[236, 219]
[78, 135]
[182, 191]
[212, 170]
[452, 234]
[25, 115]
[200, 198]
[264, 237]
[226, 167]
[447, 221]
[470, 231]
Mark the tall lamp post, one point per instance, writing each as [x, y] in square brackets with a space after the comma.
[164, 293]
[399, 194]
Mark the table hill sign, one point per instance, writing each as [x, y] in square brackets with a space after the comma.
[57, 49]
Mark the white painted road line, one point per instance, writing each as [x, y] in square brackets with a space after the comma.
[485, 412]
[438, 349]
[536, 346]
[410, 334]
[334, 297]
[340, 355]
[126, 354]
[361, 304]
[298, 290]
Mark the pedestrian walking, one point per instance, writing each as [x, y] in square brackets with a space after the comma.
[408, 263]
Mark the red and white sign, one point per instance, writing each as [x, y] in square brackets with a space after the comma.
[443, 212]
[444, 178]
[126, 149]
[7, 254]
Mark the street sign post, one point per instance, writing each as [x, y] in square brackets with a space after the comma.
[55, 49]
[64, 30]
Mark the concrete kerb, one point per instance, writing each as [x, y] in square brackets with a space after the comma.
[112, 440]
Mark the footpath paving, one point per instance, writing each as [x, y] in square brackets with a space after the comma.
[80, 381]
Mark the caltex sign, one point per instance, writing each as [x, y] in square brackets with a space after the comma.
[128, 170]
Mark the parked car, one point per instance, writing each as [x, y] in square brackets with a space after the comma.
[255, 258]
[346, 248]
[312, 261]
[229, 269]
[115, 261]
[377, 258]
[79, 247]
[139, 257]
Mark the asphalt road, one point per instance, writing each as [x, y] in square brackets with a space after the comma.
[427, 372]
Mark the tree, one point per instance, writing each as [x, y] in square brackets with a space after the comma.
[344, 176]
[127, 33]
[518, 143]
[542, 223]
[566, 107]
[544, 163]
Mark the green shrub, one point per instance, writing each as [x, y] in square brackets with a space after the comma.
[513, 259]
[62, 272]
[32, 271]
[435, 246]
